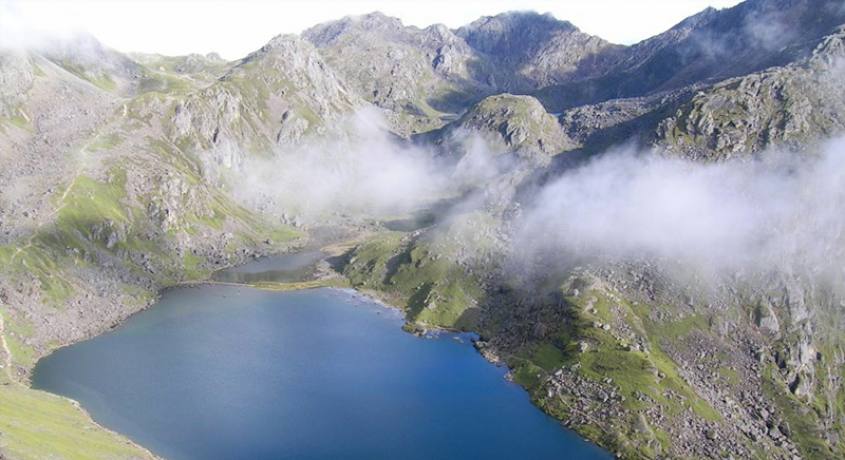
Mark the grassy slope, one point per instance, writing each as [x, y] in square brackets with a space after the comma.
[35, 424]
[643, 377]
[434, 291]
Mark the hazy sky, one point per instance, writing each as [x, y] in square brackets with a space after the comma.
[234, 28]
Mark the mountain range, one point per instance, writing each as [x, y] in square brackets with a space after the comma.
[124, 174]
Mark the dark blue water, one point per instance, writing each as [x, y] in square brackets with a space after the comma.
[219, 372]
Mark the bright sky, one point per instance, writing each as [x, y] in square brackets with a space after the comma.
[234, 28]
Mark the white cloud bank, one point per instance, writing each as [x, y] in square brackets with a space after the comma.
[784, 212]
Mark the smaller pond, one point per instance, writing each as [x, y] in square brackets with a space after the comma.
[281, 268]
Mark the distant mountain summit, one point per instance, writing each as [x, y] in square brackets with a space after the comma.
[536, 49]
[711, 45]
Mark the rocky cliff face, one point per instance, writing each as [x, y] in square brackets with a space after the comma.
[534, 51]
[274, 96]
[516, 123]
[711, 46]
[418, 74]
[787, 106]
[423, 75]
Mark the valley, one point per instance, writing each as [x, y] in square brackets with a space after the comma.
[647, 237]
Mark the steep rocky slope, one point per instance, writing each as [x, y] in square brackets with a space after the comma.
[419, 74]
[424, 75]
[788, 107]
[274, 96]
[534, 51]
[710, 46]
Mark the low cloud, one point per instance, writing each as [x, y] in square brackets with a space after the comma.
[20, 30]
[368, 173]
[780, 212]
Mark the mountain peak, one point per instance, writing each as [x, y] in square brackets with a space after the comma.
[513, 29]
[522, 19]
[327, 32]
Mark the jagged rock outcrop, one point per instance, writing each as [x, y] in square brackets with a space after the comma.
[275, 95]
[16, 75]
[532, 51]
[415, 73]
[710, 46]
[519, 123]
[789, 106]
[424, 74]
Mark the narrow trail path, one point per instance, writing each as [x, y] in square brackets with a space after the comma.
[83, 152]
[49, 216]
[7, 353]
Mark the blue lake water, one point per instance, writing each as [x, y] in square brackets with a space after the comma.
[223, 372]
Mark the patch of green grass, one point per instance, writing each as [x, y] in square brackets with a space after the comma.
[103, 82]
[439, 290]
[192, 265]
[16, 332]
[38, 425]
[106, 142]
[632, 372]
[22, 354]
[165, 83]
[6, 253]
[803, 422]
[19, 121]
[682, 327]
[548, 357]
[729, 374]
[35, 261]
[528, 375]
[434, 290]
[89, 202]
[367, 267]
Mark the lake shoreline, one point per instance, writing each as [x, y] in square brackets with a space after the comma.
[199, 307]
[330, 279]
